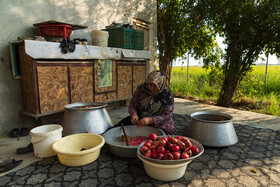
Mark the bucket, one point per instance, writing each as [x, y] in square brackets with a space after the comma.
[43, 137]
[100, 38]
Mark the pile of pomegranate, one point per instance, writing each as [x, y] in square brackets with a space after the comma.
[168, 148]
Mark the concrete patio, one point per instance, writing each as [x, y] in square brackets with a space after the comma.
[258, 149]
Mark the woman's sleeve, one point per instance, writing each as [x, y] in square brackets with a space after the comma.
[134, 102]
[164, 120]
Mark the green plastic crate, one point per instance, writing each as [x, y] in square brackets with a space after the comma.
[139, 39]
[121, 37]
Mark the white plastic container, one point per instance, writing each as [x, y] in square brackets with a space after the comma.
[164, 172]
[43, 137]
[167, 170]
[99, 38]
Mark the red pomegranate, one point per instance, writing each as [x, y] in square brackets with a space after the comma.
[175, 148]
[189, 151]
[161, 149]
[152, 136]
[154, 153]
[148, 153]
[179, 137]
[160, 156]
[169, 145]
[181, 145]
[148, 144]
[144, 149]
[185, 155]
[153, 147]
[168, 156]
[176, 155]
[195, 150]
[174, 141]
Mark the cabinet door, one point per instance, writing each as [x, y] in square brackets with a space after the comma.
[53, 87]
[139, 75]
[81, 84]
[124, 81]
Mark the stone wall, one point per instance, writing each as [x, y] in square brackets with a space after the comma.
[17, 19]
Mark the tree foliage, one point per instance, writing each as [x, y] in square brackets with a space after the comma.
[249, 27]
[179, 33]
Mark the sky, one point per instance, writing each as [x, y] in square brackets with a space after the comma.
[272, 59]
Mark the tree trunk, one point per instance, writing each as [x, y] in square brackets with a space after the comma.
[232, 78]
[227, 92]
[166, 67]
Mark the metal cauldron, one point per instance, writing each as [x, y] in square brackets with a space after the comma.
[82, 117]
[212, 129]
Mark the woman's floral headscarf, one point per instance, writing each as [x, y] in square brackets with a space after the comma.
[158, 79]
[153, 104]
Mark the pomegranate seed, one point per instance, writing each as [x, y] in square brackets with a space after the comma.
[135, 141]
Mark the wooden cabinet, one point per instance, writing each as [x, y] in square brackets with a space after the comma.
[47, 86]
[50, 84]
[130, 76]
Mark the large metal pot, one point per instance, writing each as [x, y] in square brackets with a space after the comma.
[212, 129]
[82, 117]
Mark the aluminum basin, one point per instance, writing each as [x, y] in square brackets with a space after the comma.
[212, 129]
[112, 137]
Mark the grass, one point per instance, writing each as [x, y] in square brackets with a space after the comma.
[252, 94]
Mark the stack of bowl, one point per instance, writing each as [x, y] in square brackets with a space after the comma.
[167, 170]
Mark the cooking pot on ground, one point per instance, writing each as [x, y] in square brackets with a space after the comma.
[212, 129]
[82, 117]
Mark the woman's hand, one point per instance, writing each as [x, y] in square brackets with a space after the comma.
[134, 119]
[146, 121]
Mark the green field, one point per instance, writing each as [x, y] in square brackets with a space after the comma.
[205, 85]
